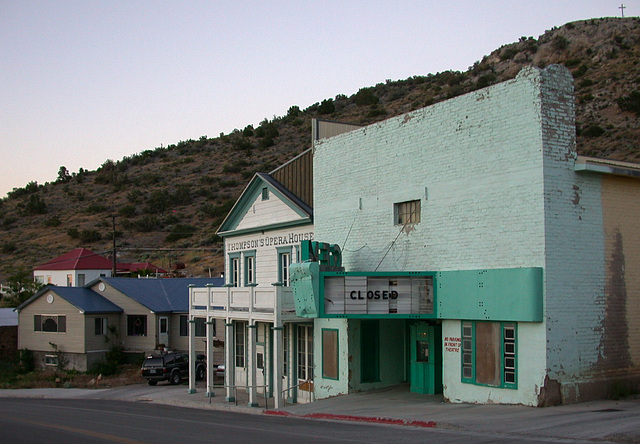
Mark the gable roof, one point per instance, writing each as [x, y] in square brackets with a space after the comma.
[83, 298]
[77, 259]
[246, 199]
[128, 267]
[160, 295]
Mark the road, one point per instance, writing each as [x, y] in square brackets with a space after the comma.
[101, 421]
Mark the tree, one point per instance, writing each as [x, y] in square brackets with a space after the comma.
[21, 288]
[63, 174]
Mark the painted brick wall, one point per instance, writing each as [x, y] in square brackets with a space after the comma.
[476, 163]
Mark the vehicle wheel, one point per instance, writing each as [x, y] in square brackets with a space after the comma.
[200, 373]
[152, 382]
[175, 378]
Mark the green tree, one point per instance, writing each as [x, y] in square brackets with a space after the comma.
[21, 287]
[63, 174]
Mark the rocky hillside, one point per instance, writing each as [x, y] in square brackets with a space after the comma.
[168, 202]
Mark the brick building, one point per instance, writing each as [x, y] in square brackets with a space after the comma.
[482, 207]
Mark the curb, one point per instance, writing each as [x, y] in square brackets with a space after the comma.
[353, 418]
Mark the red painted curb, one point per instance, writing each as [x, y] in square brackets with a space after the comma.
[353, 418]
[371, 419]
[277, 413]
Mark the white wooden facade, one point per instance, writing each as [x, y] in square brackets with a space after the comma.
[262, 236]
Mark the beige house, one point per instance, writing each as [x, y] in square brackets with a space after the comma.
[75, 327]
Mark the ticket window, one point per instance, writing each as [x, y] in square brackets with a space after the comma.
[422, 351]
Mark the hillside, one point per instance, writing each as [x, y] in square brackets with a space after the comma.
[170, 201]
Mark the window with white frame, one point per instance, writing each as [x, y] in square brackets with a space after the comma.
[234, 270]
[50, 323]
[240, 344]
[285, 349]
[249, 268]
[100, 326]
[284, 260]
[305, 352]
[406, 213]
[51, 360]
[489, 354]
[201, 327]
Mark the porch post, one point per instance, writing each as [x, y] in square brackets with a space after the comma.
[229, 363]
[209, 341]
[192, 355]
[278, 348]
[251, 365]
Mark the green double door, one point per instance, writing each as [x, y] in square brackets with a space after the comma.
[425, 361]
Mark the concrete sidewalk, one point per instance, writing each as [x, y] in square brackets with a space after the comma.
[614, 421]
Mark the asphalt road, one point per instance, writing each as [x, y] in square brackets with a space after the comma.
[101, 421]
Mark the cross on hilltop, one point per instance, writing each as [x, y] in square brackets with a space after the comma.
[622, 7]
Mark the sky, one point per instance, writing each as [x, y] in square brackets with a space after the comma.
[85, 81]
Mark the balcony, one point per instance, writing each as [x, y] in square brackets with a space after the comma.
[255, 302]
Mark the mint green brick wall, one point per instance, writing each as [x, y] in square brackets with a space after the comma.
[494, 172]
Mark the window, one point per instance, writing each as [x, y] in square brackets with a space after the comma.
[329, 353]
[184, 325]
[249, 268]
[39, 279]
[234, 270]
[137, 325]
[284, 260]
[305, 352]
[50, 323]
[240, 343]
[81, 279]
[69, 280]
[407, 212]
[201, 327]
[51, 360]
[265, 193]
[489, 354]
[285, 350]
[100, 326]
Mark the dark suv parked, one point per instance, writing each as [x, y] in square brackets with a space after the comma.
[171, 367]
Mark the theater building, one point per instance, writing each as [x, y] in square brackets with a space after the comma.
[483, 258]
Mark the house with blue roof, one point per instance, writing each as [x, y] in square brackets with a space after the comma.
[80, 324]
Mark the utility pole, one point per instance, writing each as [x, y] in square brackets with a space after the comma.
[622, 8]
[113, 272]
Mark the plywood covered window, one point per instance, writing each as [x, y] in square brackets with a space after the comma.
[329, 353]
[489, 353]
[407, 212]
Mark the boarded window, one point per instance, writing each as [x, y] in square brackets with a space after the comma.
[407, 212]
[330, 353]
[487, 353]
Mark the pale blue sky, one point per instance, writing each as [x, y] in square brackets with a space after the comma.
[85, 81]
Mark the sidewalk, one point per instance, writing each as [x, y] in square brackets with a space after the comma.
[615, 421]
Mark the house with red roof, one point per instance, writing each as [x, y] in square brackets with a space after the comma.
[80, 266]
[75, 268]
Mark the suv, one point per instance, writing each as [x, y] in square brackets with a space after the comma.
[171, 367]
